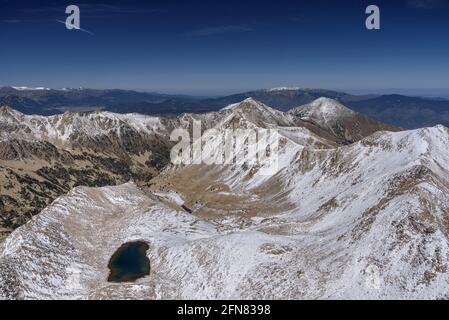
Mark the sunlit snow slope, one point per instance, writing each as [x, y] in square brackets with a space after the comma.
[368, 220]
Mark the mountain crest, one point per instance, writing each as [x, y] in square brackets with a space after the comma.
[4, 106]
[258, 113]
[345, 124]
[6, 110]
[250, 105]
[323, 108]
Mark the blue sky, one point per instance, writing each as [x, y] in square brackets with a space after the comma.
[218, 47]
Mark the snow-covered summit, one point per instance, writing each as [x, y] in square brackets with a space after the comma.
[8, 112]
[333, 116]
[250, 104]
[23, 88]
[258, 113]
[323, 108]
[63, 127]
[284, 89]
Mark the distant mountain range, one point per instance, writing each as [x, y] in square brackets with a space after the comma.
[398, 110]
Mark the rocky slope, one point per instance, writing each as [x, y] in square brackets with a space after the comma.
[42, 158]
[367, 219]
[348, 126]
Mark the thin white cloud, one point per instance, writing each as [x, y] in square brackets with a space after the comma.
[12, 21]
[428, 4]
[88, 9]
[220, 30]
[80, 29]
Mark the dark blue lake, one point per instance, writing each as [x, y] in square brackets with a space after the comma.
[129, 262]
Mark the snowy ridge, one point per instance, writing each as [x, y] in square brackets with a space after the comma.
[324, 109]
[343, 123]
[62, 127]
[284, 89]
[367, 222]
[31, 88]
[258, 113]
[364, 220]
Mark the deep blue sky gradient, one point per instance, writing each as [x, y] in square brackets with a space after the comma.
[218, 47]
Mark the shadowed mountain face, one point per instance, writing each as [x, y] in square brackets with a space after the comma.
[398, 110]
[349, 213]
[50, 102]
[406, 112]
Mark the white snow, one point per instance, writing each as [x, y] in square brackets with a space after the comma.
[61, 127]
[284, 89]
[31, 88]
[363, 221]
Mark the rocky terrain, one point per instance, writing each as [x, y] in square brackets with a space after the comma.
[346, 125]
[42, 158]
[352, 211]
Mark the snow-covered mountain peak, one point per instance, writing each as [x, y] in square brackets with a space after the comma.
[245, 103]
[257, 113]
[68, 126]
[23, 88]
[251, 105]
[342, 122]
[441, 128]
[419, 141]
[251, 100]
[284, 89]
[8, 112]
[4, 107]
[325, 107]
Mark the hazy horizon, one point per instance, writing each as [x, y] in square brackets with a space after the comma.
[416, 92]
